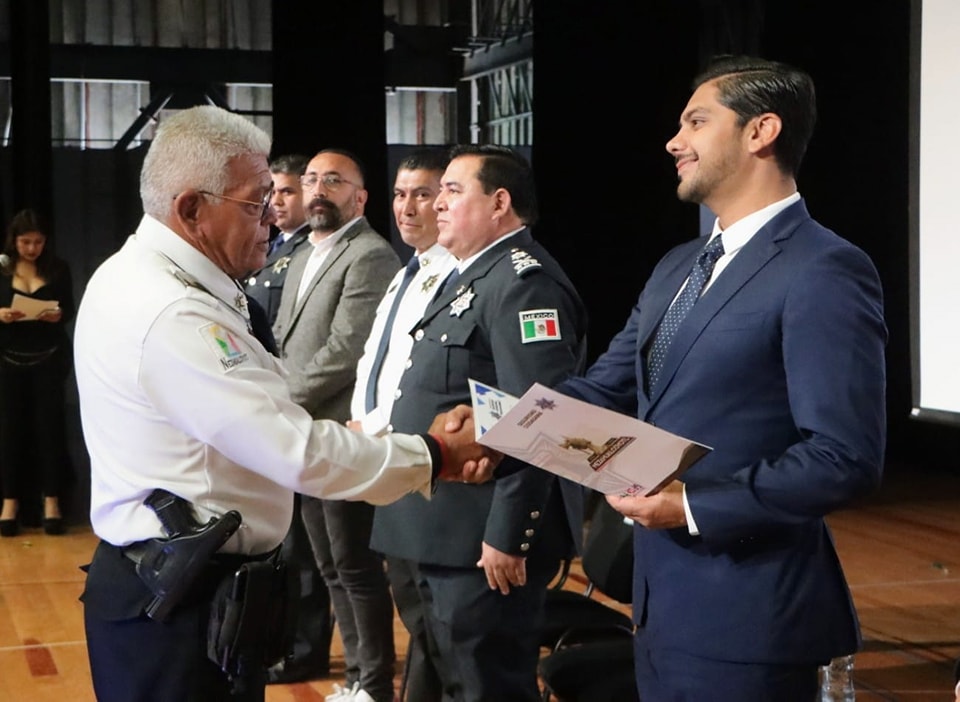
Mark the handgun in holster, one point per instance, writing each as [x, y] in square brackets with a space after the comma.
[169, 567]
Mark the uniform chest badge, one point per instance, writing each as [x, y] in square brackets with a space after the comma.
[429, 283]
[281, 264]
[462, 303]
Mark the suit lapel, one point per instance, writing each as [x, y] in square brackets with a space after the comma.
[294, 307]
[288, 300]
[290, 245]
[755, 254]
[336, 252]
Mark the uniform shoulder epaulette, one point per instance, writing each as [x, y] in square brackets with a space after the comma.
[187, 280]
[523, 262]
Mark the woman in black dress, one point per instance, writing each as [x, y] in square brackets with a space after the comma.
[36, 302]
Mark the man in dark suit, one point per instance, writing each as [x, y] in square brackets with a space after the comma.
[310, 657]
[325, 316]
[778, 364]
[485, 556]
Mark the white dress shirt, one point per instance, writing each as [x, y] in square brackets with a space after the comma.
[176, 393]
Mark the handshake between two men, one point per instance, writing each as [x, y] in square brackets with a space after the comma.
[464, 460]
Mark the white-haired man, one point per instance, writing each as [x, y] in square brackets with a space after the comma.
[177, 394]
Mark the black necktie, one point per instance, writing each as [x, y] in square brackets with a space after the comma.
[260, 326]
[699, 275]
[370, 399]
[448, 282]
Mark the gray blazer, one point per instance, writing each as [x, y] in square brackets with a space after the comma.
[321, 337]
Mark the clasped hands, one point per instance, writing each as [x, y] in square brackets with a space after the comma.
[465, 460]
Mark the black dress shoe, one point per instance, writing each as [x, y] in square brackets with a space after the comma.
[9, 527]
[54, 526]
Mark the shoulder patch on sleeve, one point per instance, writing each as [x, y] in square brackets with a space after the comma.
[223, 344]
[539, 325]
[523, 262]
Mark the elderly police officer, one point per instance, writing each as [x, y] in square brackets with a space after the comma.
[176, 393]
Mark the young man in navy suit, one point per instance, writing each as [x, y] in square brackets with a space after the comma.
[778, 364]
[765, 342]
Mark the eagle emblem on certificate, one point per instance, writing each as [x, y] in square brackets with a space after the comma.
[462, 303]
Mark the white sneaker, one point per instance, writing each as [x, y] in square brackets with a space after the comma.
[343, 694]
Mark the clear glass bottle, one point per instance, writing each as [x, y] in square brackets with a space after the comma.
[836, 681]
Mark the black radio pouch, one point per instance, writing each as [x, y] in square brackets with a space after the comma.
[251, 619]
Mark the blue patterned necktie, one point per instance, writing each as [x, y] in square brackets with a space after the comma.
[699, 275]
[370, 398]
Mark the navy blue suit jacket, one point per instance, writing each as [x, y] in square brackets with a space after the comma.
[780, 368]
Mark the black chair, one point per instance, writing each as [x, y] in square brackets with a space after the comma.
[591, 643]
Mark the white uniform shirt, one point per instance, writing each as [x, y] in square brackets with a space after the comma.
[435, 264]
[176, 393]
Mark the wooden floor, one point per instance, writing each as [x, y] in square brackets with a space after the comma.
[900, 550]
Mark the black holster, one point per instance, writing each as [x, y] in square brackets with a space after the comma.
[252, 618]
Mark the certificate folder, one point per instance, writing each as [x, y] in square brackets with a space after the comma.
[596, 447]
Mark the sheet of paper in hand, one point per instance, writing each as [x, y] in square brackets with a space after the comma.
[596, 447]
[31, 307]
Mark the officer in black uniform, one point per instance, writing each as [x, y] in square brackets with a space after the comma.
[508, 317]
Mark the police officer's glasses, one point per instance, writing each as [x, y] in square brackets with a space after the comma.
[264, 204]
[330, 181]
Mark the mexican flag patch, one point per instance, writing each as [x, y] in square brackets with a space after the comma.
[539, 325]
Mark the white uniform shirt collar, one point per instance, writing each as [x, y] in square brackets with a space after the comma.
[158, 237]
[431, 254]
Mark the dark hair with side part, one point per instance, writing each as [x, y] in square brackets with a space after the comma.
[289, 164]
[25, 222]
[753, 86]
[425, 160]
[353, 157]
[504, 168]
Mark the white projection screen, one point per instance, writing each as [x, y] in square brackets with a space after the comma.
[935, 209]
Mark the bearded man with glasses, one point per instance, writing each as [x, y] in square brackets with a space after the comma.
[326, 313]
